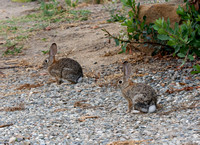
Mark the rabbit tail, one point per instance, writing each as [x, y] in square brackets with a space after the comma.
[142, 107]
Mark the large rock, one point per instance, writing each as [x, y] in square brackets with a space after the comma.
[162, 10]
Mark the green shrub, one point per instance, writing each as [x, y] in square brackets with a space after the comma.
[197, 69]
[137, 31]
[184, 39]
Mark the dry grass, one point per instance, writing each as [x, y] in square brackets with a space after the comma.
[19, 107]
[182, 89]
[128, 142]
[82, 104]
[29, 86]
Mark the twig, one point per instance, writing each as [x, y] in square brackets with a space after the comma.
[83, 118]
[110, 35]
[136, 42]
[10, 67]
[5, 125]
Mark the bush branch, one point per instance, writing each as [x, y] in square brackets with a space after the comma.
[136, 42]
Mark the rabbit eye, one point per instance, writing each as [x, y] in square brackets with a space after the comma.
[120, 82]
[46, 60]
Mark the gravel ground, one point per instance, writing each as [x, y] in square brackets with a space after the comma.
[87, 113]
[35, 110]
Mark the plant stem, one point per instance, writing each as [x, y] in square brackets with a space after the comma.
[128, 41]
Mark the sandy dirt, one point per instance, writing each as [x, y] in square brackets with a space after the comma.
[84, 41]
[9, 9]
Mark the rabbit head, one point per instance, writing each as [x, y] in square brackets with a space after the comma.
[124, 82]
[51, 59]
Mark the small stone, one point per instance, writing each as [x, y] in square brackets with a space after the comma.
[12, 140]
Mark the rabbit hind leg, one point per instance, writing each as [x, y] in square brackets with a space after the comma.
[59, 80]
[130, 105]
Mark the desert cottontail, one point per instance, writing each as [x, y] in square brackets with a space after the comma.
[141, 97]
[64, 68]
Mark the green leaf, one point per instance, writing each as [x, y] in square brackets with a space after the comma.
[191, 57]
[196, 43]
[181, 55]
[171, 42]
[124, 47]
[168, 22]
[197, 52]
[197, 68]
[136, 37]
[195, 72]
[177, 48]
[162, 31]
[116, 42]
[180, 10]
[45, 52]
[156, 27]
[163, 37]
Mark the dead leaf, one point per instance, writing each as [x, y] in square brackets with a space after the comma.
[162, 84]
[154, 72]
[48, 28]
[24, 63]
[182, 84]
[44, 74]
[139, 75]
[95, 27]
[2, 74]
[82, 4]
[81, 104]
[188, 78]
[128, 142]
[11, 47]
[60, 110]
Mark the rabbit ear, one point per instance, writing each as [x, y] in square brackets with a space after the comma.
[126, 70]
[53, 49]
[52, 53]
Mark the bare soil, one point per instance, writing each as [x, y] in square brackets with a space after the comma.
[83, 41]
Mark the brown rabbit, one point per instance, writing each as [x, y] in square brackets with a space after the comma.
[141, 97]
[64, 68]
